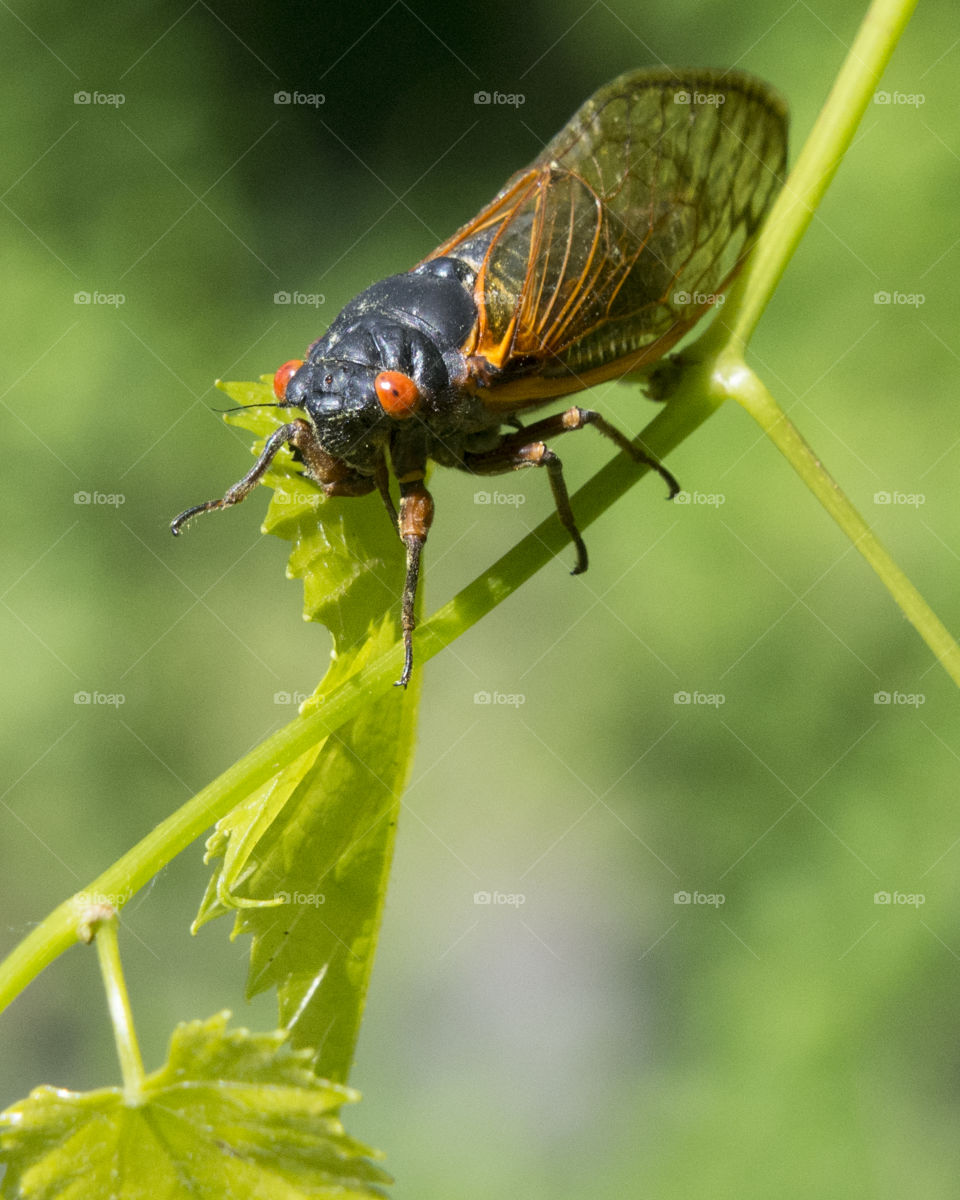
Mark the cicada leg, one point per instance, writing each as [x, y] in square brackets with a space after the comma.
[527, 448]
[334, 476]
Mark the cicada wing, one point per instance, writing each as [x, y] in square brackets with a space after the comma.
[631, 222]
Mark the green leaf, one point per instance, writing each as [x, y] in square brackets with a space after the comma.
[230, 1114]
[304, 860]
[345, 549]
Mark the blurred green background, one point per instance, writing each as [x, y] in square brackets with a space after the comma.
[599, 1040]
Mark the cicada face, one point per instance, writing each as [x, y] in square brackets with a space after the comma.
[341, 402]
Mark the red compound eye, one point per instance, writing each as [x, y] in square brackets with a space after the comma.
[399, 396]
[284, 375]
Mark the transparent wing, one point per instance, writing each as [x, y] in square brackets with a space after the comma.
[599, 256]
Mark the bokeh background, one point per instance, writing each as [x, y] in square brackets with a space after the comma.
[598, 1039]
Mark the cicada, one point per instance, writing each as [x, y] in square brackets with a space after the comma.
[589, 265]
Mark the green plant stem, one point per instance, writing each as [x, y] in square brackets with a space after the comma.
[726, 340]
[121, 1015]
[739, 381]
[812, 174]
[58, 931]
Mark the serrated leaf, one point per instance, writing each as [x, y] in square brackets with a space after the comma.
[345, 549]
[304, 860]
[237, 835]
[231, 1113]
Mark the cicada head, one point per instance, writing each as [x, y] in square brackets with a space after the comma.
[340, 400]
